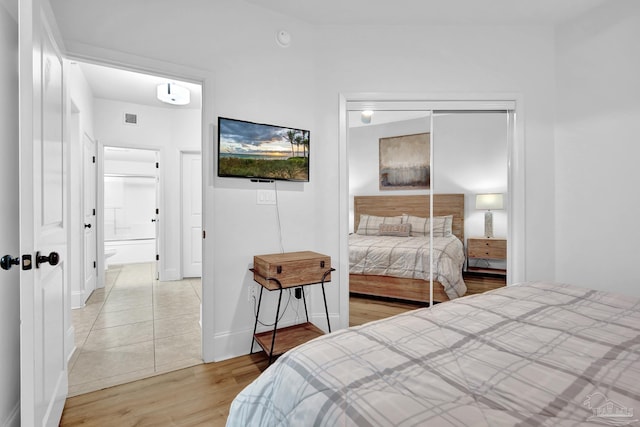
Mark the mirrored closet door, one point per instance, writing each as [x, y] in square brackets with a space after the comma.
[425, 174]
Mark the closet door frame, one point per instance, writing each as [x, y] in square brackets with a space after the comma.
[430, 102]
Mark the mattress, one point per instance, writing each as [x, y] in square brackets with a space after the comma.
[408, 257]
[537, 354]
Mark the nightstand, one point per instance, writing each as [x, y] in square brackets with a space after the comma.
[277, 272]
[487, 248]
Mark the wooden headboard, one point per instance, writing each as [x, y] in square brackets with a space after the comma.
[418, 205]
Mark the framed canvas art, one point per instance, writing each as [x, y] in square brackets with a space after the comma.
[405, 162]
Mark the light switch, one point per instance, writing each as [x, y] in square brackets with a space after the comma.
[266, 197]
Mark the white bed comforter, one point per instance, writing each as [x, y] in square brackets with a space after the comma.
[539, 354]
[408, 257]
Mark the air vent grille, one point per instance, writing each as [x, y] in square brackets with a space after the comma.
[130, 118]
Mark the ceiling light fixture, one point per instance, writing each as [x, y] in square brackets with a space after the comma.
[171, 93]
[365, 116]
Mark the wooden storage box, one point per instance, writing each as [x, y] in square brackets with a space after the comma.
[291, 269]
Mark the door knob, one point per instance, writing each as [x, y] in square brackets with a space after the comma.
[7, 261]
[53, 258]
[87, 226]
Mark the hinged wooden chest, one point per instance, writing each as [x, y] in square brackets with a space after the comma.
[291, 269]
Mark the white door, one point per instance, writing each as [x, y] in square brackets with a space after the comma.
[44, 299]
[10, 218]
[89, 215]
[191, 215]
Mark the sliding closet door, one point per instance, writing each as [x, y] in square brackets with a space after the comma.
[470, 157]
[389, 158]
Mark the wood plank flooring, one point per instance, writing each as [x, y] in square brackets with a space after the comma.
[201, 395]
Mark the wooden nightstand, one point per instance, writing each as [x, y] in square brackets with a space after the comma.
[488, 249]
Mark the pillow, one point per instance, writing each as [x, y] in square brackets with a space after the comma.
[398, 230]
[370, 225]
[421, 226]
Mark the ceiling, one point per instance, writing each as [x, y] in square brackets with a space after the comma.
[129, 86]
[109, 83]
[430, 12]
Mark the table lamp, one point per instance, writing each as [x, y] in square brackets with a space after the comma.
[488, 202]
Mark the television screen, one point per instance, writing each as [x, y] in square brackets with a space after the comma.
[262, 151]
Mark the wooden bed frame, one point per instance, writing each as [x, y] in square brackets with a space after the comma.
[418, 205]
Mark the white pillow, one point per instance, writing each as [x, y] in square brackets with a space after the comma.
[370, 224]
[422, 226]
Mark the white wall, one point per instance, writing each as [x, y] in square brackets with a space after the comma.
[470, 157]
[168, 130]
[300, 86]
[364, 157]
[9, 238]
[597, 149]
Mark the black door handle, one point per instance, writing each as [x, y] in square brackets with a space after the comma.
[53, 258]
[7, 261]
[87, 226]
[153, 220]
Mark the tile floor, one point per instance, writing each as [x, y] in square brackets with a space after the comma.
[133, 328]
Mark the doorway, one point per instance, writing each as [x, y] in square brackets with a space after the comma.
[131, 189]
[143, 318]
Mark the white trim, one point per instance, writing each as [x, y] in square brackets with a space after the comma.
[440, 101]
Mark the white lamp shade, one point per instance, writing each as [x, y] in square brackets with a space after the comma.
[490, 201]
[171, 93]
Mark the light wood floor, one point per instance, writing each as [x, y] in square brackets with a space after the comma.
[201, 395]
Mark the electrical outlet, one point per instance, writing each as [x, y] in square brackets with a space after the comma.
[252, 294]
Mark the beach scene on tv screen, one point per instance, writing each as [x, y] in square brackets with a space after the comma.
[262, 151]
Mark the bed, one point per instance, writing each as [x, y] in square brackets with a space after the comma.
[535, 354]
[410, 283]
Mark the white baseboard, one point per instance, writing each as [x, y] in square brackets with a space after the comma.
[77, 299]
[169, 275]
[70, 343]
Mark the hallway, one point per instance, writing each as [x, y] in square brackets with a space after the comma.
[133, 328]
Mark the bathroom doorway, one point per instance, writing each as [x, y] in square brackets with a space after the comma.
[131, 213]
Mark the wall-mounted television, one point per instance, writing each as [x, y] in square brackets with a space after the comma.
[261, 151]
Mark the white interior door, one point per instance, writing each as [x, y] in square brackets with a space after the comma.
[89, 215]
[191, 215]
[9, 216]
[44, 299]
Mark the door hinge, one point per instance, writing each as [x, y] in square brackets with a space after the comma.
[204, 234]
[94, 212]
[157, 165]
[157, 211]
[93, 160]
[157, 257]
[94, 264]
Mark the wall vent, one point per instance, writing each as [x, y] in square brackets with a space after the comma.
[130, 118]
